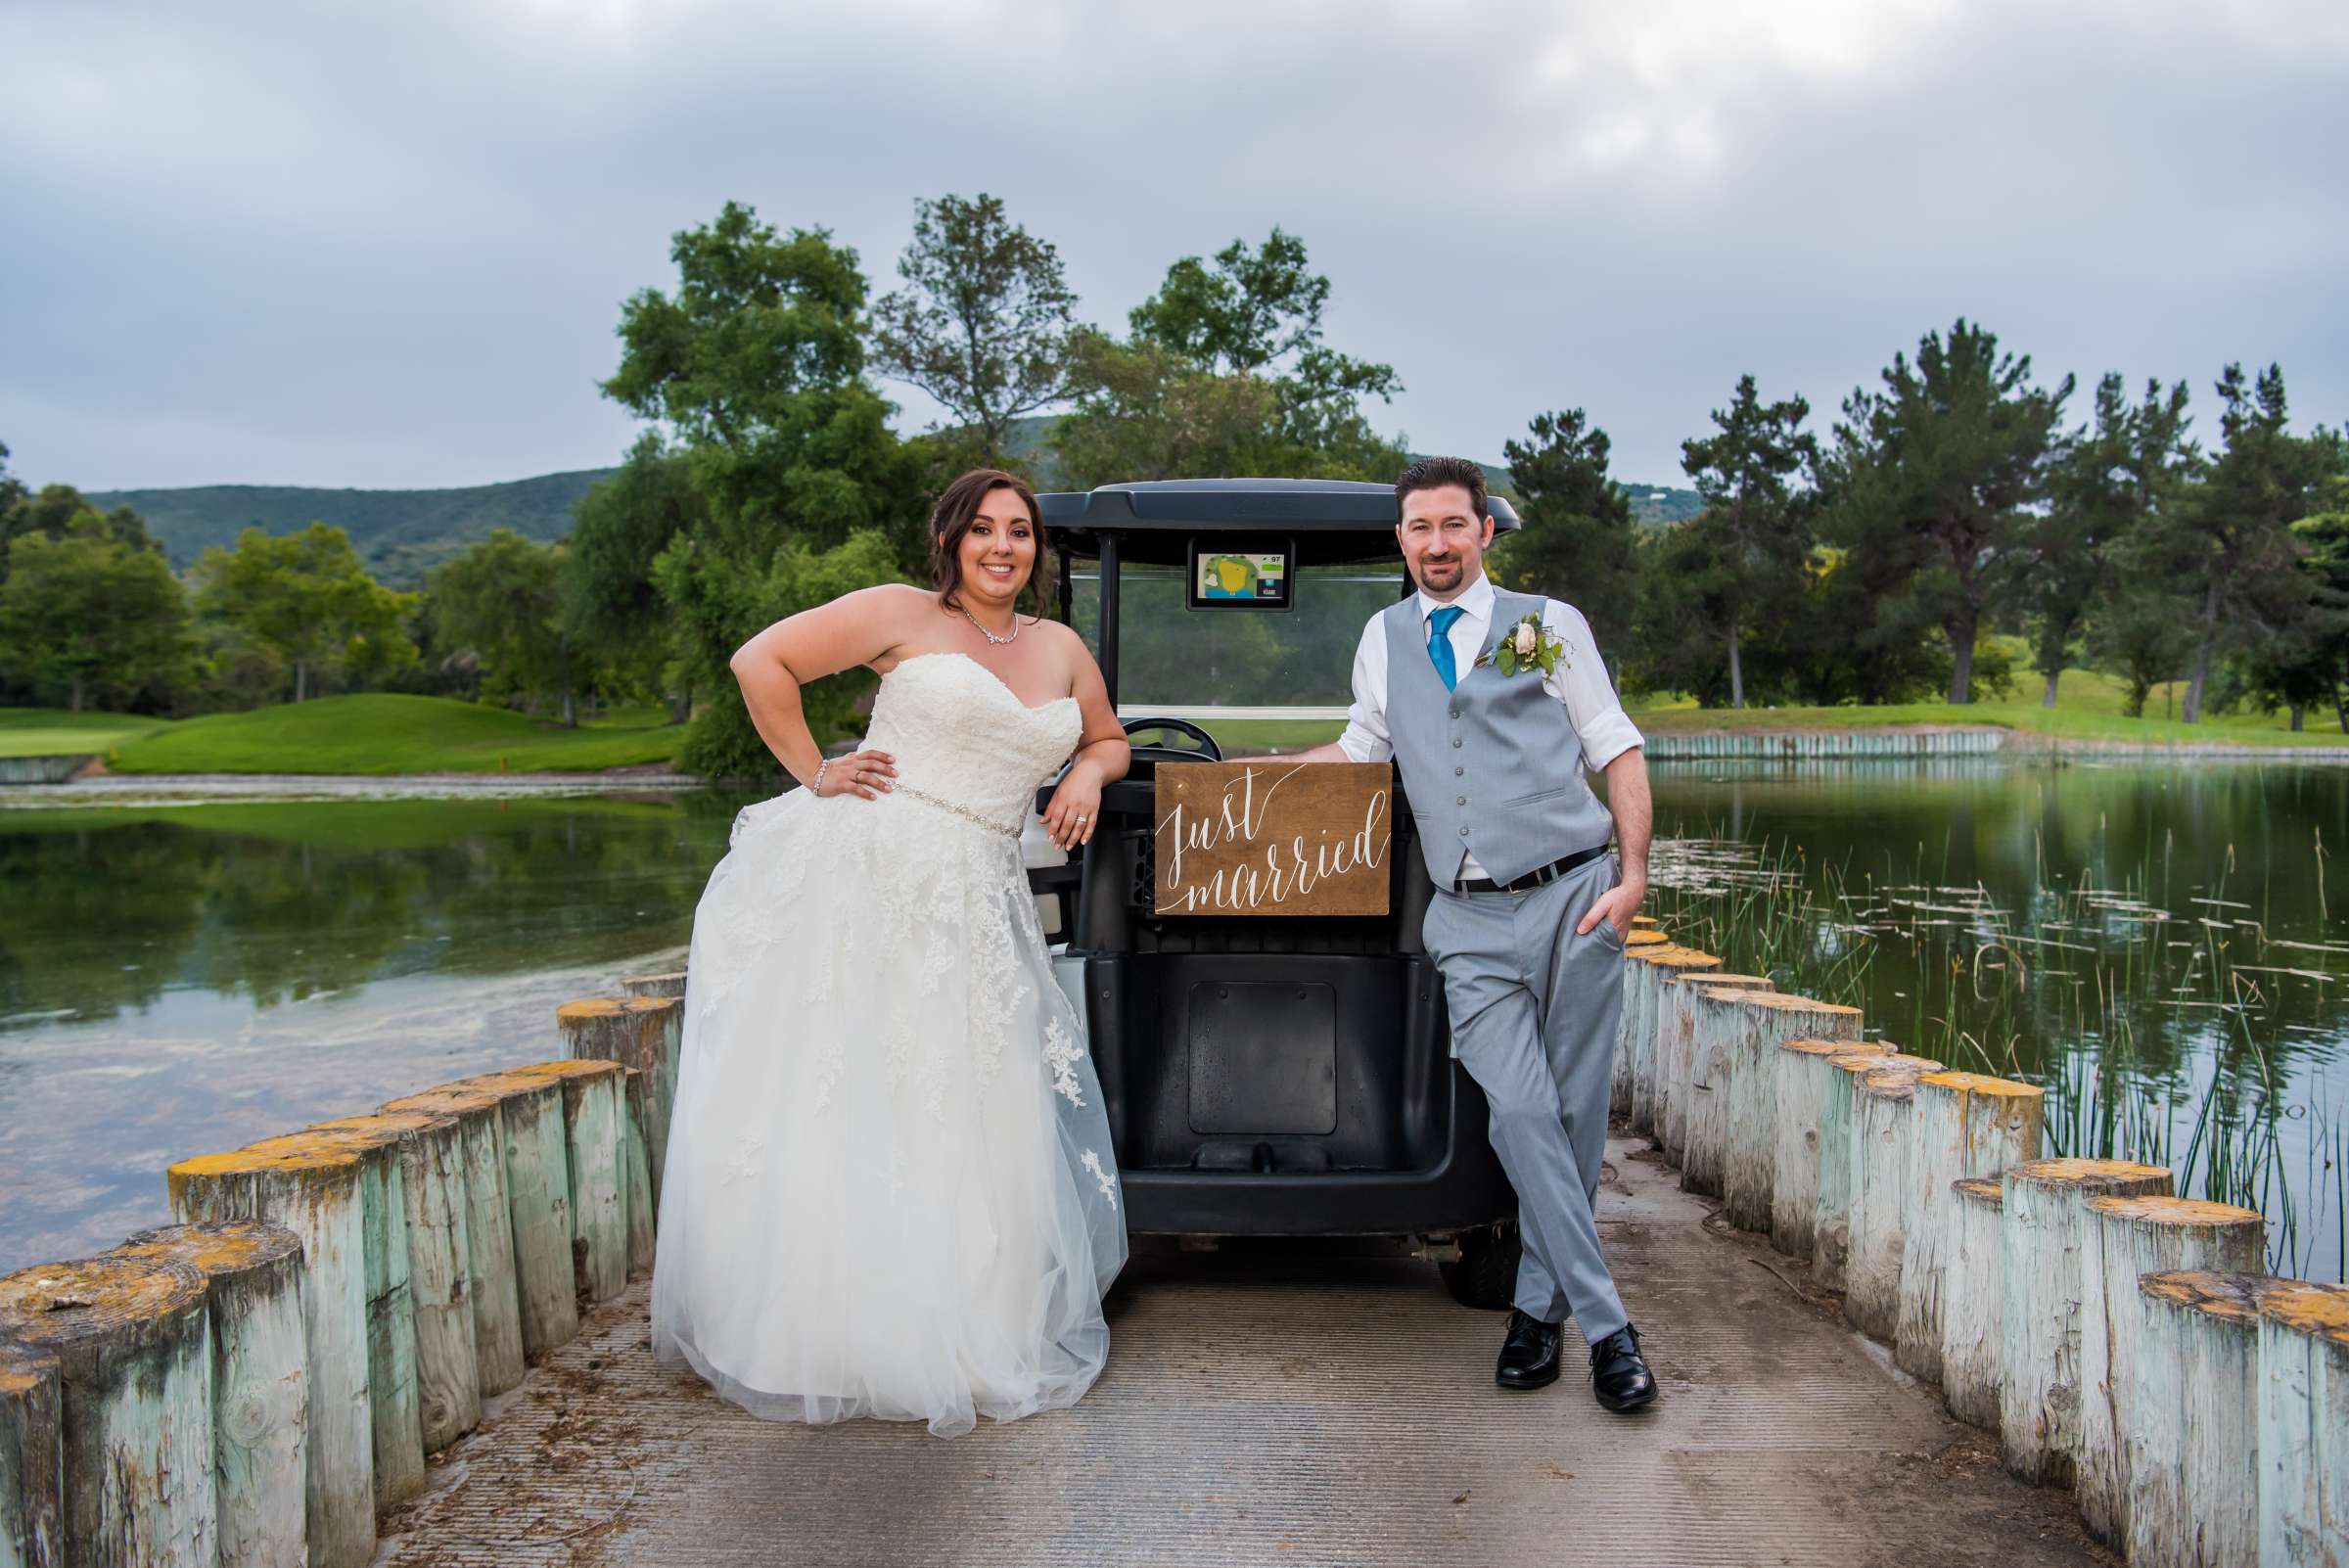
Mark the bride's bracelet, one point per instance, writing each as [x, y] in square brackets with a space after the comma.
[817, 783]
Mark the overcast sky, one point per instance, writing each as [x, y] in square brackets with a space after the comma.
[386, 245]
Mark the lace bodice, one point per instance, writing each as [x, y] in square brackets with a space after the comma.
[964, 740]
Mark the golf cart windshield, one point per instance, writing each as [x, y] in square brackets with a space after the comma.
[1240, 603]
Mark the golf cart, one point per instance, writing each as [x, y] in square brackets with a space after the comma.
[1264, 1075]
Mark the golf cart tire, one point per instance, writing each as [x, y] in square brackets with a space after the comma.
[1485, 1275]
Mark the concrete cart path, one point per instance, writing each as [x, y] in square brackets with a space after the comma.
[1323, 1405]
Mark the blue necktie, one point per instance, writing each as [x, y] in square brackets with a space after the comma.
[1439, 644]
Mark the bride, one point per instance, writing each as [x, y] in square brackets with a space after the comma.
[889, 1190]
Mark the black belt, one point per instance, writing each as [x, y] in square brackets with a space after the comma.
[1531, 879]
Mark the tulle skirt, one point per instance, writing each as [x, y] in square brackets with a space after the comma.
[889, 1188]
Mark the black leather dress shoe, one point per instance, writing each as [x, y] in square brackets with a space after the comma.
[1618, 1374]
[1529, 1355]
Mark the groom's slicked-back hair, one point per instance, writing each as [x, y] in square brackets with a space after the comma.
[1433, 474]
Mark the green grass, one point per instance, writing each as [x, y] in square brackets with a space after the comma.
[55, 732]
[383, 733]
[2088, 707]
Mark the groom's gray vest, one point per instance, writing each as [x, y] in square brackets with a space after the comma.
[1494, 768]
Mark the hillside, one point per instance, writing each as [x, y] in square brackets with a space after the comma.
[401, 535]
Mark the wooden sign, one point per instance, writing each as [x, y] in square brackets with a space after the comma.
[1274, 838]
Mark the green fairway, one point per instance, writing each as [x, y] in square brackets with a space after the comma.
[2088, 707]
[55, 732]
[382, 733]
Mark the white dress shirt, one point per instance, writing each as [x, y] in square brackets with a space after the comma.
[1581, 681]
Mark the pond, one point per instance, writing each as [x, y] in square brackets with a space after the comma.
[2159, 943]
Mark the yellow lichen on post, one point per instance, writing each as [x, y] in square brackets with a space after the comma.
[132, 1341]
[1641, 936]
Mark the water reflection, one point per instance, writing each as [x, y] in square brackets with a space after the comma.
[2158, 944]
[180, 979]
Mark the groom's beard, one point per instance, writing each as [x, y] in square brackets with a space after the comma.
[1439, 576]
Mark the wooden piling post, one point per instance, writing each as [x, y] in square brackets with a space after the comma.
[1675, 1052]
[538, 1202]
[2303, 1438]
[393, 1401]
[1973, 1298]
[2194, 1441]
[2046, 1232]
[431, 1169]
[33, 1456]
[639, 1173]
[645, 1033]
[672, 984]
[261, 1390]
[1964, 1125]
[1708, 1014]
[595, 1134]
[1652, 971]
[1764, 1020]
[1883, 1105]
[1839, 1154]
[132, 1341]
[489, 1278]
[2125, 1240]
[314, 1189]
[1800, 1092]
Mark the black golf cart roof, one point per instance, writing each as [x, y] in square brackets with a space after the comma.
[1333, 521]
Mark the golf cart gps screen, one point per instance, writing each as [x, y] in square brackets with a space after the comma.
[1228, 574]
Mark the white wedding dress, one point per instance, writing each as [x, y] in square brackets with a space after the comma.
[889, 1188]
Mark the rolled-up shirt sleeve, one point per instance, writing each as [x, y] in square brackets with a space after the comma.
[1367, 739]
[1581, 684]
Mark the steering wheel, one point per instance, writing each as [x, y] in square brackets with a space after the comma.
[1206, 751]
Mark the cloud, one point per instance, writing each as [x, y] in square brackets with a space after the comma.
[378, 245]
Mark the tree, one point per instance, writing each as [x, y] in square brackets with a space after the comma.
[983, 323]
[1576, 542]
[727, 608]
[94, 620]
[1225, 372]
[2128, 466]
[2324, 538]
[2230, 547]
[501, 601]
[756, 364]
[56, 510]
[1752, 540]
[12, 488]
[1935, 478]
[306, 598]
[618, 528]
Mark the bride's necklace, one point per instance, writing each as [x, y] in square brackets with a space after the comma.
[989, 635]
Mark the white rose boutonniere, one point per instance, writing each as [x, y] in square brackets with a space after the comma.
[1530, 645]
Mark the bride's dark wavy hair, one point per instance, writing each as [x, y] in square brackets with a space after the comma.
[951, 518]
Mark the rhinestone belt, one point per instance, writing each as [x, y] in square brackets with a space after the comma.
[963, 811]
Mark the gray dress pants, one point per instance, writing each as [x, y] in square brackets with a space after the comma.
[1533, 1010]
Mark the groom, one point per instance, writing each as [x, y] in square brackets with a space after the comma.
[1530, 912]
